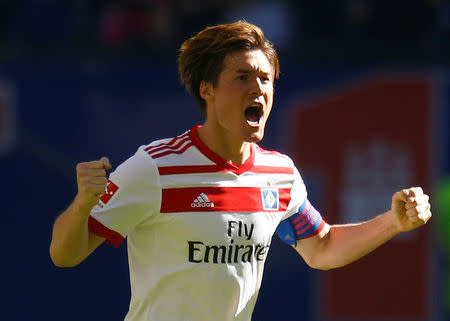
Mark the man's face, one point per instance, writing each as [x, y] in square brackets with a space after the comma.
[239, 105]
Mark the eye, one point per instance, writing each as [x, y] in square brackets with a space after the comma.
[243, 77]
[264, 78]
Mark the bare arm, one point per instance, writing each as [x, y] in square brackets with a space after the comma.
[339, 245]
[71, 240]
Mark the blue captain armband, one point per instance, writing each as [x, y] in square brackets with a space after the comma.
[286, 233]
[305, 223]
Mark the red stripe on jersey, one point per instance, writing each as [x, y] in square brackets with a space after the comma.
[112, 237]
[168, 144]
[154, 150]
[167, 152]
[271, 170]
[193, 169]
[190, 169]
[221, 199]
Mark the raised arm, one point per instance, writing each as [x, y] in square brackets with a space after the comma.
[71, 240]
[339, 245]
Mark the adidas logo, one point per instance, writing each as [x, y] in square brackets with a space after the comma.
[202, 201]
[288, 237]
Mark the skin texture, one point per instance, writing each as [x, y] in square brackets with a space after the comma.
[72, 241]
[339, 245]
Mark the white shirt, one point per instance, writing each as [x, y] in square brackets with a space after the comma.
[198, 228]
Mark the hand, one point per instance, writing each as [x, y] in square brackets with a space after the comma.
[410, 208]
[91, 180]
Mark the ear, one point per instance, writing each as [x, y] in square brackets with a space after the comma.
[206, 90]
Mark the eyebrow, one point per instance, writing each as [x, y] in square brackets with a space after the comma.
[251, 71]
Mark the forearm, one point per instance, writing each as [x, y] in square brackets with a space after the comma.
[70, 238]
[338, 245]
[347, 243]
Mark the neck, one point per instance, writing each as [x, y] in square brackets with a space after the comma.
[233, 151]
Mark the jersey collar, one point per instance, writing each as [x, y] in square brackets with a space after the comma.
[222, 163]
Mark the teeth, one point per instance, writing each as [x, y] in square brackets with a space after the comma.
[253, 114]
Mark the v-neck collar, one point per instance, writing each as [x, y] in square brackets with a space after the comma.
[222, 163]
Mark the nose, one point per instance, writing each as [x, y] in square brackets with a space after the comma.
[257, 87]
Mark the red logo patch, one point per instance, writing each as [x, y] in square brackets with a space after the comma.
[110, 190]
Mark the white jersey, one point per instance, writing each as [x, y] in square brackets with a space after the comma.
[199, 228]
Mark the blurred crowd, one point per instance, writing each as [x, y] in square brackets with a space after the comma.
[352, 30]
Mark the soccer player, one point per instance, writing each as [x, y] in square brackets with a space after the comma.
[199, 210]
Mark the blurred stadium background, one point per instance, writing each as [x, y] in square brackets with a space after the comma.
[362, 105]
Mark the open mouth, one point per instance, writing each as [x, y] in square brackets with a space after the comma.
[253, 114]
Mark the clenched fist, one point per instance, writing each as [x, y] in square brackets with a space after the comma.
[410, 208]
[91, 180]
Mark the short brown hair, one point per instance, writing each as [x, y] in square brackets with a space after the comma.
[201, 57]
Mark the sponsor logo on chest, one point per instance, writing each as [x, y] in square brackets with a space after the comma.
[241, 246]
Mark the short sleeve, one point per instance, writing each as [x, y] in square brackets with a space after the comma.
[132, 195]
[301, 219]
[298, 195]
